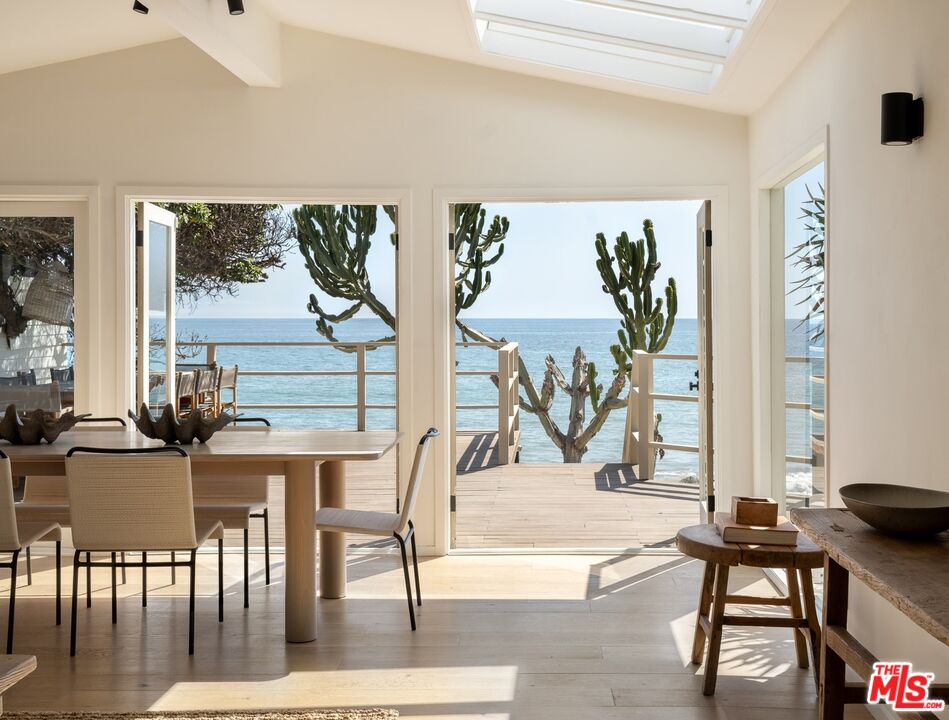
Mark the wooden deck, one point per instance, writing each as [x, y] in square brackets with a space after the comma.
[550, 505]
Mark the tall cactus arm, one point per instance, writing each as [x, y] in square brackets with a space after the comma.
[611, 401]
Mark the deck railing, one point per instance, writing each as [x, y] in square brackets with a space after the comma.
[640, 445]
[507, 403]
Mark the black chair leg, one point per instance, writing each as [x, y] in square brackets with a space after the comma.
[13, 564]
[88, 581]
[115, 601]
[267, 544]
[194, 554]
[246, 568]
[408, 583]
[144, 579]
[29, 567]
[220, 580]
[59, 582]
[174, 577]
[418, 587]
[75, 604]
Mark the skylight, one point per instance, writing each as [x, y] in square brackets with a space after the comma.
[680, 44]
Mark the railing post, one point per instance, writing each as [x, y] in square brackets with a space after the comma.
[211, 358]
[361, 387]
[504, 410]
[642, 363]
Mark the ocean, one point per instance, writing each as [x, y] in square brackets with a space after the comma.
[537, 338]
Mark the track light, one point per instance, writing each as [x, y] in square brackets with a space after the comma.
[139, 8]
[235, 7]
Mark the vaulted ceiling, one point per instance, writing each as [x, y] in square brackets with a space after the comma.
[727, 55]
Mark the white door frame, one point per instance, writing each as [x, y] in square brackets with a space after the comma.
[767, 366]
[82, 203]
[444, 293]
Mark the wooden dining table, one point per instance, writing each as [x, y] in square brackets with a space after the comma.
[294, 454]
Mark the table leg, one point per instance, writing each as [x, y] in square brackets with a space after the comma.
[300, 511]
[813, 624]
[715, 639]
[333, 544]
[705, 602]
[800, 634]
[832, 667]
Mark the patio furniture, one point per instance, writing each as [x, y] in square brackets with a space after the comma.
[205, 394]
[62, 375]
[703, 542]
[14, 668]
[17, 535]
[227, 380]
[31, 397]
[185, 391]
[136, 500]
[234, 501]
[293, 454]
[398, 525]
[911, 574]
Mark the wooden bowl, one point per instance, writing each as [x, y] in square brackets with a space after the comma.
[898, 509]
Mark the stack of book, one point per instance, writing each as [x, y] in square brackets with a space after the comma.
[755, 521]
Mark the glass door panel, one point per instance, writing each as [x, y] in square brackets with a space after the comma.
[37, 304]
[155, 303]
[799, 340]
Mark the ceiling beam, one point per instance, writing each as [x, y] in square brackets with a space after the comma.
[247, 45]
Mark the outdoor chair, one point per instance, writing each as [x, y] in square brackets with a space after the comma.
[185, 391]
[227, 380]
[45, 499]
[17, 535]
[205, 391]
[136, 500]
[62, 374]
[397, 525]
[234, 501]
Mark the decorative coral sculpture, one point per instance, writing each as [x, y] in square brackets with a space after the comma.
[35, 426]
[171, 429]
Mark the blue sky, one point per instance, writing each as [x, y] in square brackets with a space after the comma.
[548, 269]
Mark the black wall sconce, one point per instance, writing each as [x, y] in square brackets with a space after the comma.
[902, 120]
[234, 7]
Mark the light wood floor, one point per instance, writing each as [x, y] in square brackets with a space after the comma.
[549, 505]
[547, 637]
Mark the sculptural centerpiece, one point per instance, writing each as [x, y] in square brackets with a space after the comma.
[172, 429]
[35, 426]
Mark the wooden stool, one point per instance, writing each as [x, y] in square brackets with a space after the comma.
[703, 542]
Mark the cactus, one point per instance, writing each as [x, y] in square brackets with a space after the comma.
[473, 248]
[644, 326]
[335, 243]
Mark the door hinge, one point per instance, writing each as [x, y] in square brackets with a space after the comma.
[708, 238]
[139, 238]
[711, 503]
[451, 241]
[453, 505]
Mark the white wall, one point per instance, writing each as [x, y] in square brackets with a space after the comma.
[888, 259]
[352, 115]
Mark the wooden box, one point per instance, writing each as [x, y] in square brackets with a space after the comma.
[754, 511]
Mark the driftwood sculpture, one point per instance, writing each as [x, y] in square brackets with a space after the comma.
[170, 429]
[35, 426]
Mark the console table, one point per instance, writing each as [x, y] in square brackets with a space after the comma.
[913, 575]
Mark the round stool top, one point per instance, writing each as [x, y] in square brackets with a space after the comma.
[703, 542]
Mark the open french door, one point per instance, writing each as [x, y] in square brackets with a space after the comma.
[155, 306]
[704, 374]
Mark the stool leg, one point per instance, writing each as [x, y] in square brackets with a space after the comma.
[794, 596]
[705, 602]
[813, 624]
[715, 640]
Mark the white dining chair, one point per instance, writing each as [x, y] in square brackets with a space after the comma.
[17, 535]
[136, 500]
[398, 525]
[236, 500]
